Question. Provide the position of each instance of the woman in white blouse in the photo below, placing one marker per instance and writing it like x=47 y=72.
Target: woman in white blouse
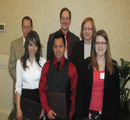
x=28 y=71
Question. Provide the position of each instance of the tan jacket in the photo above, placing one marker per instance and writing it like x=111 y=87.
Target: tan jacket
x=16 y=51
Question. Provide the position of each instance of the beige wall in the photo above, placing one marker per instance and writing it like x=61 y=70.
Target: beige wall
x=111 y=15
x=6 y=89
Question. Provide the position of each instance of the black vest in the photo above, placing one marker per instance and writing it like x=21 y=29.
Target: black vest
x=59 y=81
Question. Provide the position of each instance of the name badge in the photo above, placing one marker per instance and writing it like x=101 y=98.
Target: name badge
x=102 y=75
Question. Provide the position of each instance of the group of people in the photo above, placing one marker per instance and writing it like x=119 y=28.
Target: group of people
x=83 y=70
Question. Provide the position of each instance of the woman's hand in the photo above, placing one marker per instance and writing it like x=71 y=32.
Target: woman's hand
x=19 y=114
x=41 y=115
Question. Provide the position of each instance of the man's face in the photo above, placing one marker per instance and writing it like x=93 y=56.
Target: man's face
x=26 y=27
x=59 y=48
x=65 y=21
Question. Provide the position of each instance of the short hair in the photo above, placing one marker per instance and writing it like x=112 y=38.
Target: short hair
x=34 y=37
x=57 y=36
x=93 y=25
x=65 y=9
x=27 y=18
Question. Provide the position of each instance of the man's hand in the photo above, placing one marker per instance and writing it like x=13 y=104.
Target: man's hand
x=51 y=114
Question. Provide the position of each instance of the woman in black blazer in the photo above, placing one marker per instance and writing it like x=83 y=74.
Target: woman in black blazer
x=88 y=30
x=98 y=93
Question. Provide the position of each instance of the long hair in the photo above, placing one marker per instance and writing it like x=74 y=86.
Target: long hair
x=108 y=60
x=93 y=25
x=34 y=37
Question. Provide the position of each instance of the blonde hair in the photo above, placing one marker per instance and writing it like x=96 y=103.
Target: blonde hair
x=93 y=25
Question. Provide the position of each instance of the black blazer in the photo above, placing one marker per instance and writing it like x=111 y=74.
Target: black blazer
x=72 y=39
x=111 y=95
x=77 y=54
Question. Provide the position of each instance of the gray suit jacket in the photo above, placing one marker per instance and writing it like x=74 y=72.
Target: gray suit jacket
x=72 y=40
x=16 y=52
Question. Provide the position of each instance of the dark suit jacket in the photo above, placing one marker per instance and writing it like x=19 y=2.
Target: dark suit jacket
x=72 y=39
x=77 y=54
x=111 y=95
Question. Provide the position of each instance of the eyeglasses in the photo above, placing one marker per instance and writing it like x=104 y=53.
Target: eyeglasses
x=89 y=29
x=102 y=43
x=65 y=18
x=24 y=27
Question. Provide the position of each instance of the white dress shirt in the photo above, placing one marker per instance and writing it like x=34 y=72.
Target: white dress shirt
x=30 y=77
x=87 y=50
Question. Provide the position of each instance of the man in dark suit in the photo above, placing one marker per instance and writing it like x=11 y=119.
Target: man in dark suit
x=65 y=21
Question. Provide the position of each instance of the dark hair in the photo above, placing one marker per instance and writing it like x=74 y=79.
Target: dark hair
x=65 y=9
x=57 y=36
x=27 y=18
x=108 y=59
x=34 y=37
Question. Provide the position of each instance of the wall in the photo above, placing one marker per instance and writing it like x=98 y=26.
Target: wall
x=6 y=90
x=111 y=15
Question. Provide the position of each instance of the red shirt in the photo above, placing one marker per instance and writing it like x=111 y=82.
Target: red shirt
x=97 y=91
x=67 y=38
x=73 y=77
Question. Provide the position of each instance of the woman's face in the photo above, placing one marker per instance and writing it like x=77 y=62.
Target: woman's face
x=32 y=49
x=100 y=46
x=88 y=31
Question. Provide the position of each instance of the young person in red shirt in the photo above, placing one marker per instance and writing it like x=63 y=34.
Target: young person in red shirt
x=62 y=80
x=98 y=93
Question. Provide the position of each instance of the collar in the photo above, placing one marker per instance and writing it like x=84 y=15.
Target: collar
x=61 y=61
x=67 y=34
x=23 y=40
x=28 y=62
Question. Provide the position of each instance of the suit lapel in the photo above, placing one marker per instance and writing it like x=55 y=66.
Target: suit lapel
x=70 y=43
x=106 y=78
x=82 y=50
x=91 y=77
x=20 y=48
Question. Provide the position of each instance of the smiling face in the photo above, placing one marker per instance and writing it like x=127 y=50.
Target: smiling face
x=65 y=21
x=32 y=49
x=59 y=48
x=88 y=32
x=26 y=27
x=100 y=46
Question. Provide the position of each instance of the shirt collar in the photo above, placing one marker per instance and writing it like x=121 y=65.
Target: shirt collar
x=23 y=40
x=61 y=61
x=67 y=34
x=28 y=62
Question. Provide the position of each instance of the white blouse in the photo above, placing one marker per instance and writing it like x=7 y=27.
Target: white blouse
x=30 y=77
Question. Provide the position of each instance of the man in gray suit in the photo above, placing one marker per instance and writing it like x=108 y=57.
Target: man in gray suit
x=17 y=49
x=65 y=21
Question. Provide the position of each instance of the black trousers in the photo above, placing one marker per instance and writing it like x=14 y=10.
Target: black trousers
x=31 y=95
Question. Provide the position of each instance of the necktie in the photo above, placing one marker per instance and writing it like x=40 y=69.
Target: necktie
x=57 y=66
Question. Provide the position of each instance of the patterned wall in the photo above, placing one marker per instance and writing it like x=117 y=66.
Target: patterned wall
x=111 y=15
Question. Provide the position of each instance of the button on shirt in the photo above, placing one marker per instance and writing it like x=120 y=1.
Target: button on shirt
x=30 y=77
